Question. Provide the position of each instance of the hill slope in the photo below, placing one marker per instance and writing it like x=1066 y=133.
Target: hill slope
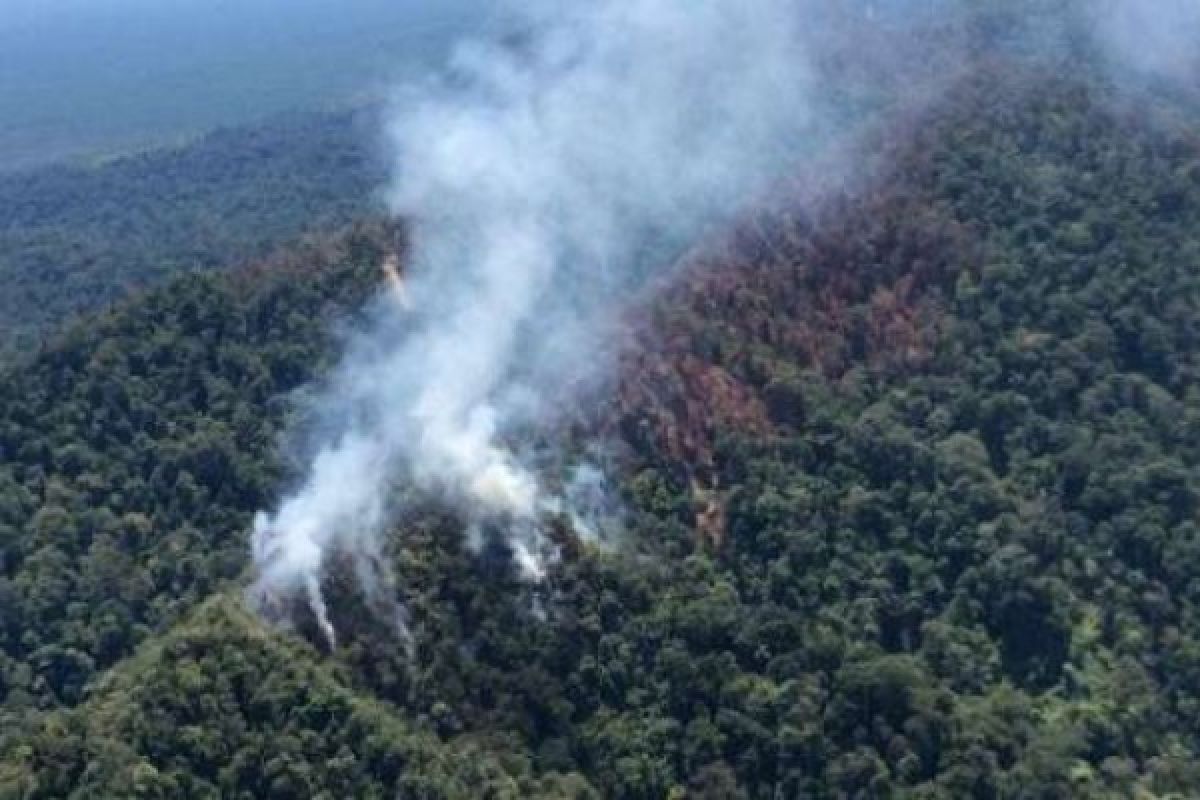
x=222 y=707
x=911 y=483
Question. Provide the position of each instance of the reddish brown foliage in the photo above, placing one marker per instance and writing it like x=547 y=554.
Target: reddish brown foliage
x=363 y=245
x=855 y=286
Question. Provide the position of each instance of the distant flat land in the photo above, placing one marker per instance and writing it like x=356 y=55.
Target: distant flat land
x=81 y=80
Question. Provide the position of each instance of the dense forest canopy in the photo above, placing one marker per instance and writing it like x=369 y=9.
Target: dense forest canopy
x=908 y=480
x=911 y=502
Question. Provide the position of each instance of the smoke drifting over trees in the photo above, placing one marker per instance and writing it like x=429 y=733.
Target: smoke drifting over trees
x=535 y=177
x=546 y=179
x=909 y=475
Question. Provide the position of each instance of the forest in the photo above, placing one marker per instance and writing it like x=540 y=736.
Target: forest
x=910 y=483
x=76 y=238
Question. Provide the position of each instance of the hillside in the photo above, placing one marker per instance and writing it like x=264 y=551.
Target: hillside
x=74 y=239
x=911 y=513
x=137 y=444
x=287 y=729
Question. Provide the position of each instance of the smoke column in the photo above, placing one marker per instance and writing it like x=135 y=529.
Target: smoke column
x=542 y=180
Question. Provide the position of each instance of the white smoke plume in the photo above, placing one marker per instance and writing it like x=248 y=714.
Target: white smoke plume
x=541 y=178
x=544 y=180
x=1154 y=38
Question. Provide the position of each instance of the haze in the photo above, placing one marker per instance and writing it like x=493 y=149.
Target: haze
x=92 y=78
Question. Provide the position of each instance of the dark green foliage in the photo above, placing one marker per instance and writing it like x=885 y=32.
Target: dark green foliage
x=912 y=513
x=220 y=708
x=135 y=448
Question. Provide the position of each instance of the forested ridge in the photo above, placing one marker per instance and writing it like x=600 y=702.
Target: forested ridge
x=75 y=238
x=911 y=490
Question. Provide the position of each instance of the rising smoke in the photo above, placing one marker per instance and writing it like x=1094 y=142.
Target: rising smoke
x=544 y=179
